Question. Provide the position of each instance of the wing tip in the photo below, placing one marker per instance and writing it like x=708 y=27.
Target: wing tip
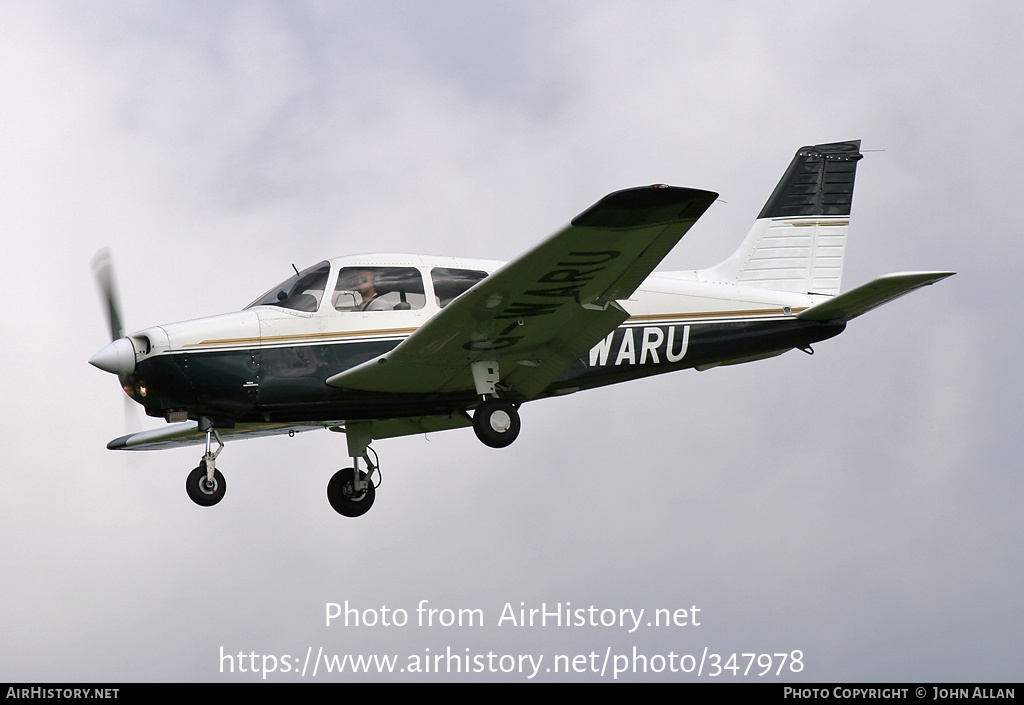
x=646 y=205
x=120 y=443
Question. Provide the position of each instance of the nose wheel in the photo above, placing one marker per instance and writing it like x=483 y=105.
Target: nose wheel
x=496 y=423
x=204 y=491
x=205 y=485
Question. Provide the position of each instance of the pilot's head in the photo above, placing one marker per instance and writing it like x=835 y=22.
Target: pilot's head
x=364 y=280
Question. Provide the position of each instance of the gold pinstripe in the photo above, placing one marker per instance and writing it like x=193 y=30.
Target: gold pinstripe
x=301 y=337
x=645 y=318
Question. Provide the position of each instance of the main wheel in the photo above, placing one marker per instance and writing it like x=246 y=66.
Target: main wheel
x=202 y=492
x=342 y=495
x=496 y=423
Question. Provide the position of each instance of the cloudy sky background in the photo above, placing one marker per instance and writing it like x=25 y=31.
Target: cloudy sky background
x=861 y=505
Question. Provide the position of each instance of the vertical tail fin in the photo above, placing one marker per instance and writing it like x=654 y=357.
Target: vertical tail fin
x=798 y=241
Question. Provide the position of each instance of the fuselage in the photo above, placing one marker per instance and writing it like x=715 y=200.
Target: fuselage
x=270 y=361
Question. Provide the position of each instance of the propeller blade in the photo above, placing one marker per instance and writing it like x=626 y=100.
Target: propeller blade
x=103 y=270
x=132 y=422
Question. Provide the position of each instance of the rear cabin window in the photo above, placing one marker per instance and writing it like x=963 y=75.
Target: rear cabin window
x=450 y=283
x=378 y=289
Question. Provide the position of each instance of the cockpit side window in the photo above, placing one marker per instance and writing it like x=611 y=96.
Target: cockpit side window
x=301 y=292
x=450 y=283
x=378 y=289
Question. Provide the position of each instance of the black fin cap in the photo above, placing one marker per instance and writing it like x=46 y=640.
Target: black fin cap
x=819 y=181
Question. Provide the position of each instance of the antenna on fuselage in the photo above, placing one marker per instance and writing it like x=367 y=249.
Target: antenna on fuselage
x=296 y=269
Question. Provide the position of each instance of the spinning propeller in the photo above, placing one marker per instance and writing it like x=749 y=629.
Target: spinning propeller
x=119 y=356
x=103 y=270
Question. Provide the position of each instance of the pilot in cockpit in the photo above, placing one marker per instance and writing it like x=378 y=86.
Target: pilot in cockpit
x=372 y=300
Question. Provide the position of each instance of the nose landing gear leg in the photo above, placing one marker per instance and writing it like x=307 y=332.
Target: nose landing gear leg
x=205 y=485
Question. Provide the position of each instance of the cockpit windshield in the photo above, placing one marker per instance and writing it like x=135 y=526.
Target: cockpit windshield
x=301 y=292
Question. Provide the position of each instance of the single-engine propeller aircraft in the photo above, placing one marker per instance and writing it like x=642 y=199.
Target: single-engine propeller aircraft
x=377 y=346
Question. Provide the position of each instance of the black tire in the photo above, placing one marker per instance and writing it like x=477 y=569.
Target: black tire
x=496 y=423
x=341 y=493
x=202 y=494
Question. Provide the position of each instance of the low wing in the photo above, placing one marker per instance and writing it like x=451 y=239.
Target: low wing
x=390 y=428
x=187 y=433
x=539 y=313
x=865 y=297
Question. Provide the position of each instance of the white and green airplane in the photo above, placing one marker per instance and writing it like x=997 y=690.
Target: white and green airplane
x=377 y=346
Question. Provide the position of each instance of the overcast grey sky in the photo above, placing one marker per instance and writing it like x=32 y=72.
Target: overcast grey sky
x=861 y=505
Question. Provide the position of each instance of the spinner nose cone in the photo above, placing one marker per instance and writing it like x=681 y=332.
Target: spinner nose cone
x=117 y=358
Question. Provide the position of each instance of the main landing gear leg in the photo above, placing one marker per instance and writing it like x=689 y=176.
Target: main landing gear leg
x=496 y=420
x=351 y=491
x=205 y=485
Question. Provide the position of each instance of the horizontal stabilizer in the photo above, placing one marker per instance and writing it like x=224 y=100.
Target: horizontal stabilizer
x=871 y=295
